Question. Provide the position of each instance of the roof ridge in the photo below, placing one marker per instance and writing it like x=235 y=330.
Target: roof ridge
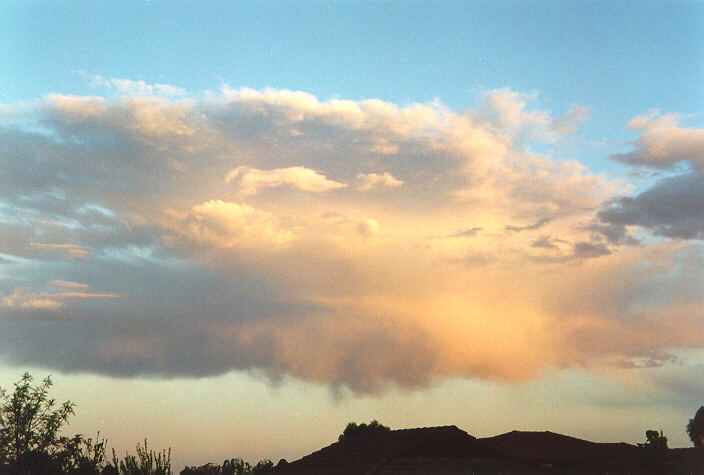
x=426 y=428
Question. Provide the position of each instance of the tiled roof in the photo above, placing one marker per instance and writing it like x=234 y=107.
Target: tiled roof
x=370 y=453
x=551 y=447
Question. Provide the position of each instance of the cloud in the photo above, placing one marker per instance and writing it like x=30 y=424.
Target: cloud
x=507 y=111
x=252 y=181
x=545 y=242
x=72 y=250
x=375 y=180
x=368 y=227
x=274 y=232
x=130 y=87
x=537 y=225
x=24 y=299
x=226 y=225
x=664 y=143
x=589 y=249
x=673 y=207
x=67 y=284
x=467 y=232
x=568 y=123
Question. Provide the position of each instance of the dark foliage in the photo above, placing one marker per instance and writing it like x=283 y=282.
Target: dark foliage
x=695 y=429
x=235 y=466
x=353 y=429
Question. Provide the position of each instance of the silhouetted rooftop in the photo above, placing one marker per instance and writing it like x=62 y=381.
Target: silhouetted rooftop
x=690 y=460
x=551 y=447
x=422 y=450
x=447 y=449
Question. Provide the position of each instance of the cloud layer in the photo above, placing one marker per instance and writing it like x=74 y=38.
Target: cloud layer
x=355 y=244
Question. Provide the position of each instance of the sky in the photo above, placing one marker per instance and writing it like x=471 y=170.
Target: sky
x=233 y=227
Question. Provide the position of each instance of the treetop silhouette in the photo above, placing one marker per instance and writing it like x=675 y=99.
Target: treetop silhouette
x=353 y=429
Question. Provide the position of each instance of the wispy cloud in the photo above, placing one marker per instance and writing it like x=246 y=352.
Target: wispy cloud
x=24 y=299
x=68 y=284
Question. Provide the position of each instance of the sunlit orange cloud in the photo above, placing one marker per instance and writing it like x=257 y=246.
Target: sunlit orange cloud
x=356 y=244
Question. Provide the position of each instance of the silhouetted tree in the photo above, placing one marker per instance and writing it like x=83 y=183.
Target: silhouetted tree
x=353 y=429
x=695 y=428
x=30 y=423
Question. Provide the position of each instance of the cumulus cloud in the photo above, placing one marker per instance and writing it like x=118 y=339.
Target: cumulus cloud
x=348 y=243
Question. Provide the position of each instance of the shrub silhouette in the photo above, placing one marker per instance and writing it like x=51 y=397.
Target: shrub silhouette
x=146 y=462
